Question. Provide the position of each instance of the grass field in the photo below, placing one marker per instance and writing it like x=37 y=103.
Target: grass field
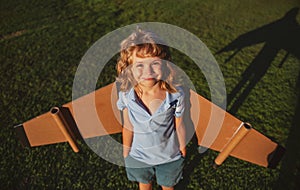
x=42 y=43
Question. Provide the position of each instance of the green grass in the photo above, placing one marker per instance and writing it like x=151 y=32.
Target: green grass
x=42 y=43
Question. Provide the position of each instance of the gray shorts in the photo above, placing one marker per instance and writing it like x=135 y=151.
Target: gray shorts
x=167 y=174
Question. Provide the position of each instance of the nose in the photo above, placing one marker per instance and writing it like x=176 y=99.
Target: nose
x=148 y=70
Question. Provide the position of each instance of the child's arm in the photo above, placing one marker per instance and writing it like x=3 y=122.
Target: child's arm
x=127 y=134
x=180 y=129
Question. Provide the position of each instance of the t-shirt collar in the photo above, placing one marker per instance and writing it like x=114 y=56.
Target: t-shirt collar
x=170 y=97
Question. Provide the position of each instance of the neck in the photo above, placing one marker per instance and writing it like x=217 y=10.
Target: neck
x=149 y=89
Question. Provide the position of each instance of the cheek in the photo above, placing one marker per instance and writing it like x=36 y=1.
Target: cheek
x=158 y=70
x=165 y=72
x=136 y=73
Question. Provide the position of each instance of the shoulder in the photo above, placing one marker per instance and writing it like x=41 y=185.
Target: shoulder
x=180 y=92
x=126 y=94
x=178 y=95
x=123 y=99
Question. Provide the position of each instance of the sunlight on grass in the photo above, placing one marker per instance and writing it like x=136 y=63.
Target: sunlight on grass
x=42 y=43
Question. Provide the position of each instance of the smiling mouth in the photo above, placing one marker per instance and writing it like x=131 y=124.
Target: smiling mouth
x=149 y=78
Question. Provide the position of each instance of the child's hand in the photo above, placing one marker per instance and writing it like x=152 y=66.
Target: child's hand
x=183 y=152
x=126 y=151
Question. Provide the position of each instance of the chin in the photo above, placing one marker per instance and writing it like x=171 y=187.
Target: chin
x=148 y=82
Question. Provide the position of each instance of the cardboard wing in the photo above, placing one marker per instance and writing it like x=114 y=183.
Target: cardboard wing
x=62 y=124
x=97 y=116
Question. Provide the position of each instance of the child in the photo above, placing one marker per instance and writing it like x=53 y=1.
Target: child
x=152 y=105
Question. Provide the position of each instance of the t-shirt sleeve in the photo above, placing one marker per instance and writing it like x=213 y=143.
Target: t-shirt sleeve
x=122 y=102
x=179 y=110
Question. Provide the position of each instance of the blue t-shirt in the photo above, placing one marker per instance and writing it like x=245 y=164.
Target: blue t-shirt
x=155 y=140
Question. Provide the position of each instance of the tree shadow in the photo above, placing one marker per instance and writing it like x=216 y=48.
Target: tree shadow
x=280 y=34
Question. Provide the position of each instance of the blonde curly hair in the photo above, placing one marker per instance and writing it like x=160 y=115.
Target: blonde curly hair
x=144 y=44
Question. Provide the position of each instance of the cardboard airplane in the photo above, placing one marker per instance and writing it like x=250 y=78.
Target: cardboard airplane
x=235 y=138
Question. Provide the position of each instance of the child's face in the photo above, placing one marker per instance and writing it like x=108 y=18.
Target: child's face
x=147 y=71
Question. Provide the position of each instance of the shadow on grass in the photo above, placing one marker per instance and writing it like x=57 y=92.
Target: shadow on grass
x=290 y=169
x=280 y=34
x=192 y=161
